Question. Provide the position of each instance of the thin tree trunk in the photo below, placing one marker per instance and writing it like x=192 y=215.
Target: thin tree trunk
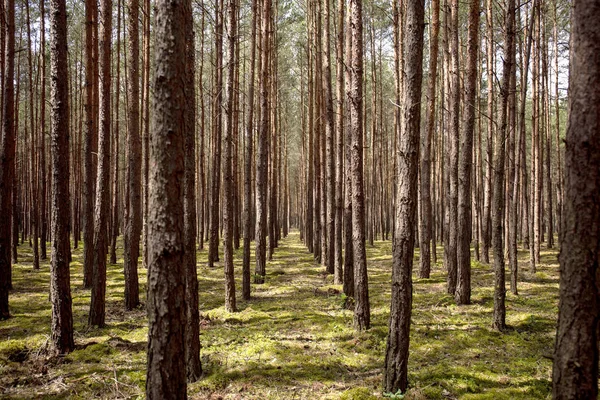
x=7 y=157
x=362 y=309
x=89 y=184
x=425 y=228
x=249 y=133
x=463 y=248
x=97 y=306
x=499 y=317
x=228 y=184
x=60 y=286
x=261 y=164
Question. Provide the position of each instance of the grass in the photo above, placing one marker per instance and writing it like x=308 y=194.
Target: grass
x=294 y=339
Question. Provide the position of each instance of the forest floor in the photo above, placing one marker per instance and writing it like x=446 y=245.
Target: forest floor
x=294 y=339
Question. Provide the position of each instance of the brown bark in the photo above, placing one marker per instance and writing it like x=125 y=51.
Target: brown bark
x=7 y=157
x=499 y=317
x=228 y=184
x=450 y=250
x=60 y=290
x=166 y=366
x=262 y=150
x=192 y=320
x=463 y=248
x=348 y=248
x=575 y=370
x=213 y=246
x=425 y=227
x=329 y=143
x=249 y=136
x=133 y=227
x=362 y=310
x=97 y=306
x=397 y=348
x=89 y=184
x=338 y=265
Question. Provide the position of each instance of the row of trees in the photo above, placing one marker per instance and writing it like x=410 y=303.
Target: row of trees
x=228 y=134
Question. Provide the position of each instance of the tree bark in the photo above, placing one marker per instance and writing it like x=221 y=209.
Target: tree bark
x=262 y=156
x=7 y=158
x=463 y=248
x=499 y=317
x=60 y=286
x=97 y=306
x=90 y=146
x=228 y=187
x=192 y=321
x=133 y=228
x=362 y=310
x=450 y=251
x=425 y=228
x=396 y=358
x=166 y=368
x=575 y=370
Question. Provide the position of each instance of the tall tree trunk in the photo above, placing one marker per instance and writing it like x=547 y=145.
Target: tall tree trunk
x=7 y=157
x=329 y=138
x=42 y=174
x=262 y=156
x=450 y=251
x=89 y=184
x=348 y=240
x=133 y=227
x=249 y=135
x=499 y=317
x=192 y=320
x=339 y=148
x=97 y=306
x=228 y=187
x=487 y=196
x=60 y=286
x=463 y=247
x=396 y=358
x=213 y=246
x=575 y=370
x=425 y=228
x=166 y=366
x=362 y=309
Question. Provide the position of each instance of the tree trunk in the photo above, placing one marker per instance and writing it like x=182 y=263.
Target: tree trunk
x=249 y=134
x=166 y=366
x=192 y=320
x=348 y=248
x=362 y=310
x=450 y=251
x=396 y=358
x=228 y=187
x=97 y=306
x=463 y=247
x=262 y=156
x=60 y=286
x=89 y=184
x=213 y=246
x=7 y=157
x=499 y=317
x=575 y=370
x=133 y=226
x=425 y=229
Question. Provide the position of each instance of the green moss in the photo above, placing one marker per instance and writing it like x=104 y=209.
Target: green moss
x=359 y=393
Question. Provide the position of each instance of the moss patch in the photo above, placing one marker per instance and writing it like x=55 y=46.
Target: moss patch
x=294 y=339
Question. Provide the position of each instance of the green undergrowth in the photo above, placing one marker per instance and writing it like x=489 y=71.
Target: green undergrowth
x=294 y=339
